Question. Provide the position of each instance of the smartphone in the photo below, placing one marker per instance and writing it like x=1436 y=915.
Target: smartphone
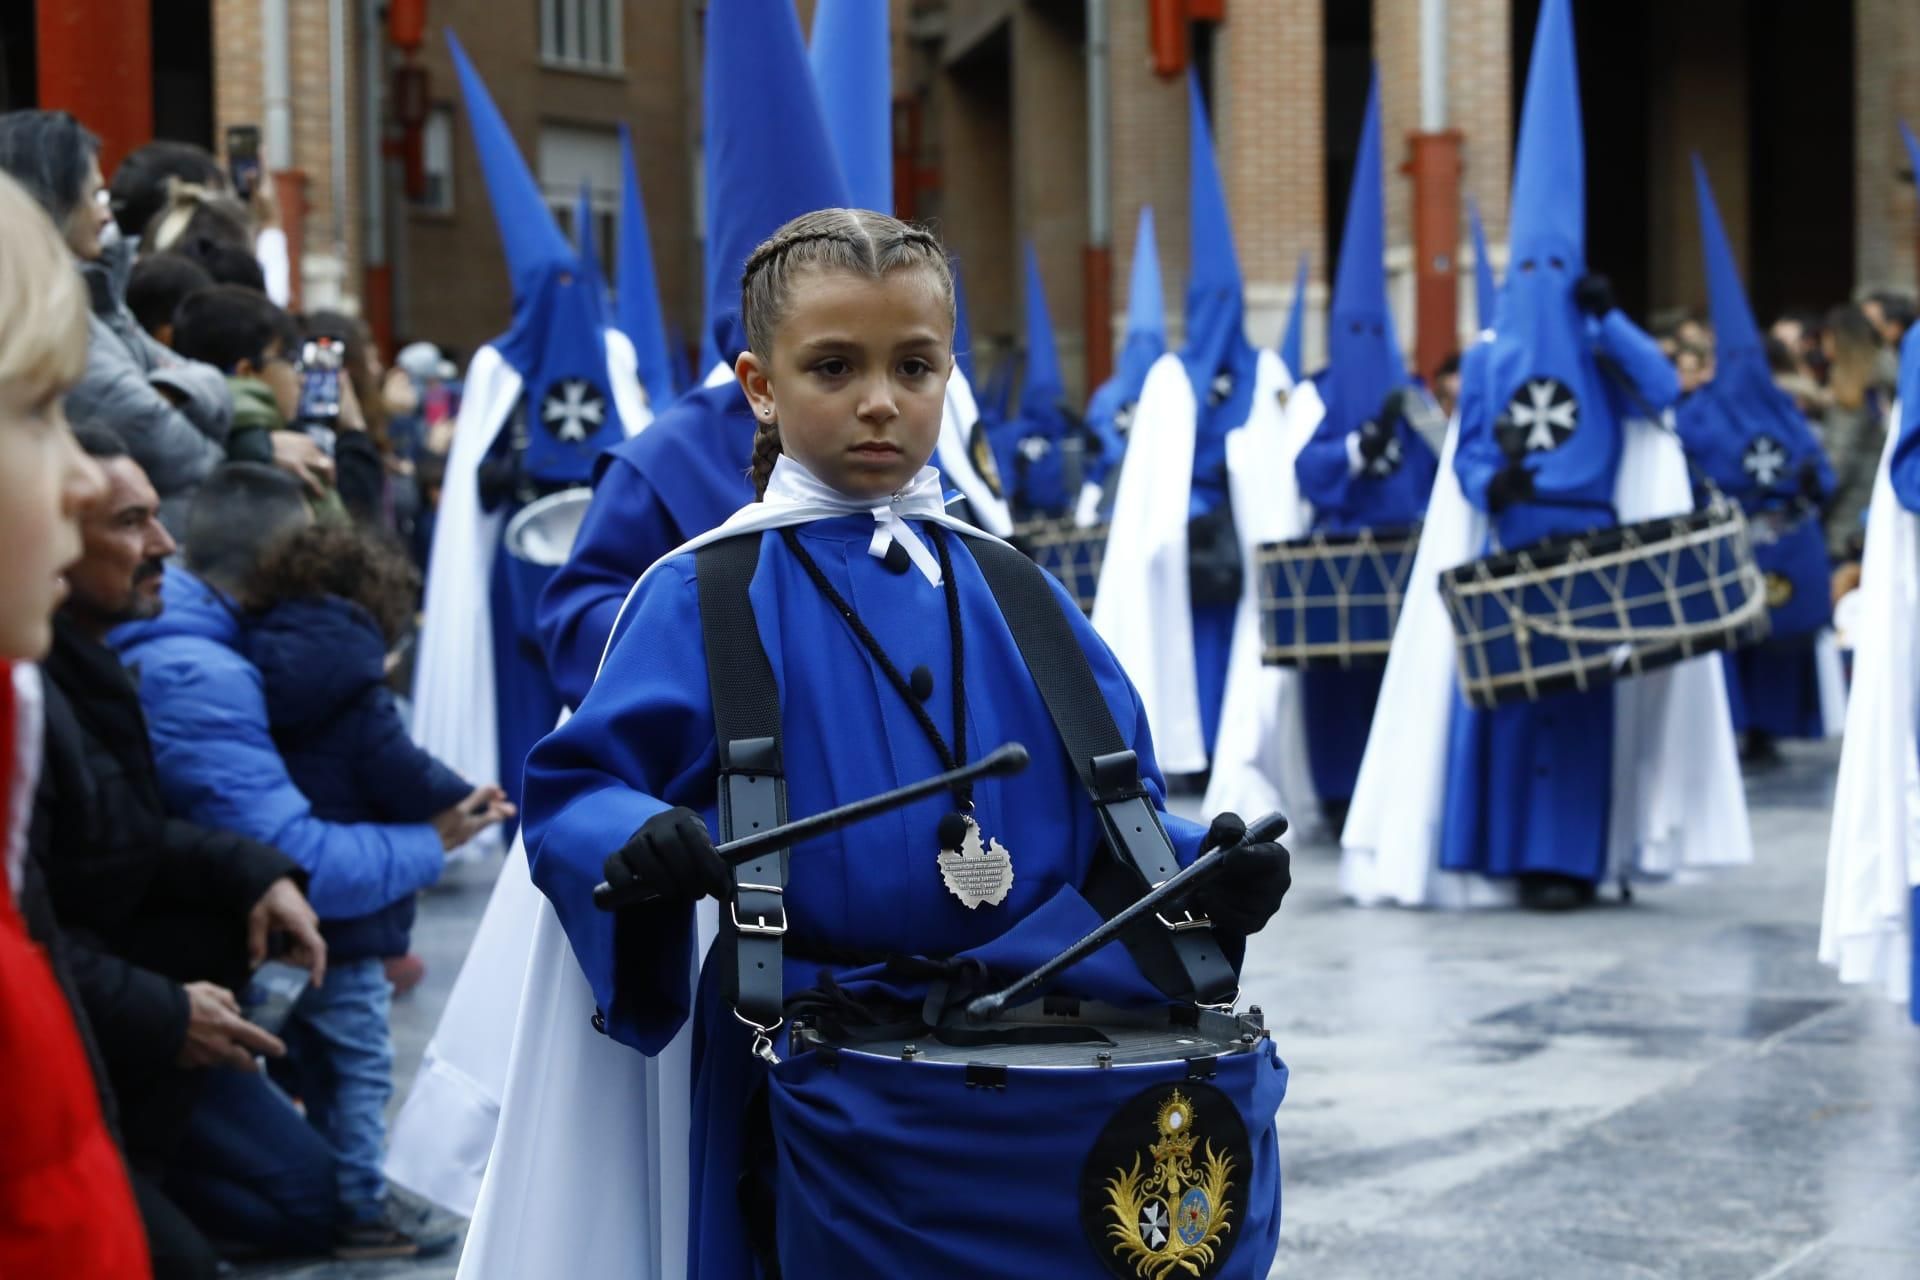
x=275 y=989
x=243 y=159
x=319 y=413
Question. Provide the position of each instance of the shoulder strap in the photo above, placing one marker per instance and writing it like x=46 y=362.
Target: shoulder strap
x=1181 y=956
x=753 y=789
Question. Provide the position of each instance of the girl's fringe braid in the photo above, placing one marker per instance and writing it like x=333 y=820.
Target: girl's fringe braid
x=856 y=240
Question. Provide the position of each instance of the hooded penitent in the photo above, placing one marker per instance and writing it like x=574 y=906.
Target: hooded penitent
x=636 y=303
x=1486 y=293
x=1110 y=410
x=1366 y=467
x=852 y=71
x=1748 y=437
x=540 y=403
x=1040 y=454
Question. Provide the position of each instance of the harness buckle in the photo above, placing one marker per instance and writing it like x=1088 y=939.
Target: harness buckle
x=759 y=928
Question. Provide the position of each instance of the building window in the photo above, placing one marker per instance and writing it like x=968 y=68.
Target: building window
x=581 y=35
x=570 y=156
x=436 y=161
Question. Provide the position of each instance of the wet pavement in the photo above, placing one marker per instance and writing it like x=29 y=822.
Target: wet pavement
x=1669 y=1088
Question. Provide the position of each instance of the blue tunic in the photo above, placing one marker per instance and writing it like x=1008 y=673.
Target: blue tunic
x=1529 y=784
x=1339 y=704
x=643 y=740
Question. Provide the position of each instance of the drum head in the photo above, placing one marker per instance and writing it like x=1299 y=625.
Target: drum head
x=1068 y=1034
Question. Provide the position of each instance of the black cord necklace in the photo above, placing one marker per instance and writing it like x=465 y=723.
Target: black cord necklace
x=975 y=870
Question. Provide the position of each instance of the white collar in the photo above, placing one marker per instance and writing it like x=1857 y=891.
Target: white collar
x=792 y=485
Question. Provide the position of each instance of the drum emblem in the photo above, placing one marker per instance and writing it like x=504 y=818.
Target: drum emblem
x=981 y=451
x=1779 y=590
x=1171 y=1208
x=573 y=410
x=1764 y=461
x=1544 y=414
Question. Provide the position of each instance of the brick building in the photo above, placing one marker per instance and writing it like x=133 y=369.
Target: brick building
x=1792 y=106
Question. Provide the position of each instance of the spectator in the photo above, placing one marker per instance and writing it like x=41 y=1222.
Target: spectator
x=376 y=486
x=226 y=263
x=333 y=601
x=1446 y=385
x=159 y=284
x=173 y=414
x=142 y=186
x=166 y=921
x=243 y=335
x=208 y=714
x=1693 y=364
x=65 y=1205
x=1854 y=427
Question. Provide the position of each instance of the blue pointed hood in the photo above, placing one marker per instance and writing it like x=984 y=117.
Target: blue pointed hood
x=1486 y=294
x=1542 y=345
x=589 y=250
x=556 y=342
x=1110 y=408
x=1042 y=388
x=528 y=234
x=1293 y=339
x=1363 y=351
x=1735 y=335
x=853 y=73
x=1216 y=341
x=637 y=295
x=768 y=158
x=1724 y=421
x=962 y=329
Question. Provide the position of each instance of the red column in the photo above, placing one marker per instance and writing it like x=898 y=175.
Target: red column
x=1435 y=166
x=96 y=61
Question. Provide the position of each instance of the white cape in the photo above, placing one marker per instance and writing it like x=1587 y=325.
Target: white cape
x=453 y=695
x=1260 y=761
x=955 y=456
x=1873 y=856
x=1677 y=798
x=1140 y=607
x=589 y=1169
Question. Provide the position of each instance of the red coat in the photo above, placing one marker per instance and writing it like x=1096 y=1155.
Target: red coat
x=65 y=1207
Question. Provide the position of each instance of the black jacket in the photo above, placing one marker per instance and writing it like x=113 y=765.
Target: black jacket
x=146 y=902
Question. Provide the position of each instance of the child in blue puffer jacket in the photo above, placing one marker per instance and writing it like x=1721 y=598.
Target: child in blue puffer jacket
x=330 y=601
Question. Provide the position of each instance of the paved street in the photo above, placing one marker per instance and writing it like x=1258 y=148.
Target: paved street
x=1673 y=1088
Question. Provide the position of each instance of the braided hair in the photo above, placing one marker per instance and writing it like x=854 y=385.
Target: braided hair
x=855 y=240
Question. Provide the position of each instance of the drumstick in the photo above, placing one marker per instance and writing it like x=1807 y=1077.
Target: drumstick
x=1177 y=886
x=1009 y=758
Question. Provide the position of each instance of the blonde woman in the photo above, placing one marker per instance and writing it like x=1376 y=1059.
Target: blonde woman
x=65 y=1205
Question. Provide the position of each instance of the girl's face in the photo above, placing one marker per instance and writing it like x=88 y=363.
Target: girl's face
x=857 y=378
x=89 y=219
x=45 y=482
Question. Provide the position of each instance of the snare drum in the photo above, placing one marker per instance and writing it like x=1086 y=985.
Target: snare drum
x=1579 y=612
x=1062 y=1140
x=1070 y=552
x=1332 y=599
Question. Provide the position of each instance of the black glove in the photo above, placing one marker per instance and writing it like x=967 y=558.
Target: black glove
x=672 y=858
x=1593 y=294
x=1393 y=408
x=1508 y=486
x=1374 y=438
x=1247 y=890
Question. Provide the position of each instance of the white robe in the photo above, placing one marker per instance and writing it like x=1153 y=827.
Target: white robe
x=1677 y=799
x=1141 y=607
x=957 y=425
x=454 y=712
x=1873 y=856
x=1260 y=761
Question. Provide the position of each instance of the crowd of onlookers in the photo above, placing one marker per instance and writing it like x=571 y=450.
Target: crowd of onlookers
x=217 y=821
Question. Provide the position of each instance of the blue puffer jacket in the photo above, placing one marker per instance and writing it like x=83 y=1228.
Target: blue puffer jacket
x=219 y=766
x=344 y=742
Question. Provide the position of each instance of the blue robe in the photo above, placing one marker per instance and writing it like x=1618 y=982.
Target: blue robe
x=1904 y=473
x=1756 y=458
x=1338 y=705
x=1529 y=784
x=643 y=741
x=1213 y=623
x=683 y=475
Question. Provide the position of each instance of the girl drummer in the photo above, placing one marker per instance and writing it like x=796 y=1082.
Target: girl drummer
x=892 y=663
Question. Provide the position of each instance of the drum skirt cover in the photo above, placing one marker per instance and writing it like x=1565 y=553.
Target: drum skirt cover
x=1798 y=574
x=916 y=1168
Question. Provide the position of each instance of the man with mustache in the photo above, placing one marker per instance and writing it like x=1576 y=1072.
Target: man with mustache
x=165 y=921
